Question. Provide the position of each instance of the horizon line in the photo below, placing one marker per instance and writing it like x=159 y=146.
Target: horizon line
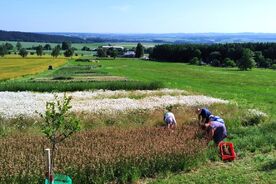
x=136 y=33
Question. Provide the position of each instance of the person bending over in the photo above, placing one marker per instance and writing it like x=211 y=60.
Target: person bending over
x=169 y=119
x=203 y=116
x=216 y=131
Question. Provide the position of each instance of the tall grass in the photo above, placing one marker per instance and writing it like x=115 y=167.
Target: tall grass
x=103 y=155
x=77 y=86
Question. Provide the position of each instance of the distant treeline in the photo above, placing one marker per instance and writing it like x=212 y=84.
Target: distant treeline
x=52 y=38
x=220 y=55
x=36 y=37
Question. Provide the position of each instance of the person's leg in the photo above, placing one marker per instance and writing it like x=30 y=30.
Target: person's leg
x=218 y=135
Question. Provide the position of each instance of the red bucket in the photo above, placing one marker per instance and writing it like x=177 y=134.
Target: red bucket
x=227 y=151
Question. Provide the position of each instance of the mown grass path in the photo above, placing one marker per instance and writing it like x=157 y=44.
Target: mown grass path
x=233 y=172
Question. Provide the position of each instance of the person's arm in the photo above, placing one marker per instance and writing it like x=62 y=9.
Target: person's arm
x=203 y=121
x=210 y=134
x=174 y=120
x=213 y=132
x=199 y=120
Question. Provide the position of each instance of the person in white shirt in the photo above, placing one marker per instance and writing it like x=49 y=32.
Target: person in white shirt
x=169 y=119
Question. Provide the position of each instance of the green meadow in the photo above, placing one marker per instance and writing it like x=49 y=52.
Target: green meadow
x=254 y=89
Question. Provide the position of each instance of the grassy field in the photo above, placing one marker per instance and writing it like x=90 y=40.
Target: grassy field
x=15 y=66
x=236 y=172
x=73 y=76
x=254 y=89
x=250 y=89
x=254 y=145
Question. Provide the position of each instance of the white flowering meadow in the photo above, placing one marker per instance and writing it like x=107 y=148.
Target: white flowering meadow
x=14 y=104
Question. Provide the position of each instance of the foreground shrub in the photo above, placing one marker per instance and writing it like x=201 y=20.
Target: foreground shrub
x=58 y=124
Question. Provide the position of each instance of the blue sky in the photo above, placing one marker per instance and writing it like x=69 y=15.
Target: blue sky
x=138 y=16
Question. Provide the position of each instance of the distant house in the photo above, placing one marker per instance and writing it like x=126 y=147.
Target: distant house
x=113 y=47
x=129 y=54
x=145 y=58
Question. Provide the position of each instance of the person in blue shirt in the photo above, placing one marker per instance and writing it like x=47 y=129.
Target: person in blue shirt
x=216 y=118
x=203 y=116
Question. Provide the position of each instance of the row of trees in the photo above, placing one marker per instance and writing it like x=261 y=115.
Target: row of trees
x=68 y=50
x=4 y=49
x=262 y=55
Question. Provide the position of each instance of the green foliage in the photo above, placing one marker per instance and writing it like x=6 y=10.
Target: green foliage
x=215 y=62
x=3 y=50
x=194 y=61
x=85 y=48
x=139 y=52
x=114 y=53
x=261 y=61
x=101 y=52
x=273 y=66
x=47 y=47
x=229 y=63
x=39 y=50
x=58 y=123
x=9 y=46
x=216 y=55
x=247 y=60
x=55 y=51
x=265 y=53
x=69 y=52
x=254 y=138
x=197 y=53
x=18 y=46
x=23 y=52
x=65 y=45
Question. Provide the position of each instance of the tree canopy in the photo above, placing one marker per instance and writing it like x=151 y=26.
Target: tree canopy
x=3 y=50
x=23 y=52
x=39 y=50
x=55 y=51
x=69 y=52
x=247 y=60
x=139 y=52
x=65 y=45
x=216 y=54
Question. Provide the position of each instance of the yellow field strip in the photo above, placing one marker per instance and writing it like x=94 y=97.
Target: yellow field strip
x=13 y=67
